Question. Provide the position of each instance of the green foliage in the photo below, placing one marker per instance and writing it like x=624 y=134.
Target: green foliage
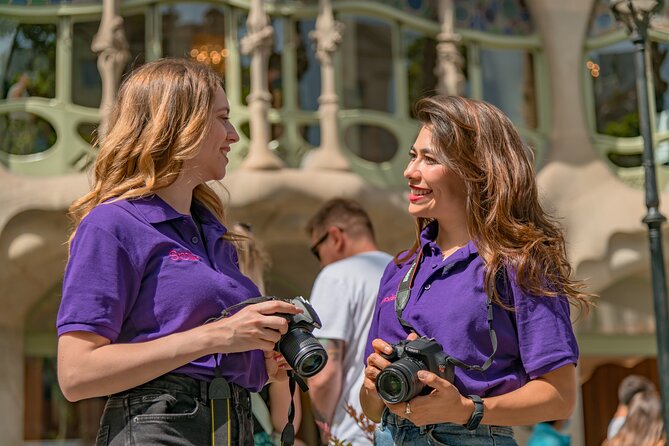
x=626 y=127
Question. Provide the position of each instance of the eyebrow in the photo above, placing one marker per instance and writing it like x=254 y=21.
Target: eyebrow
x=423 y=150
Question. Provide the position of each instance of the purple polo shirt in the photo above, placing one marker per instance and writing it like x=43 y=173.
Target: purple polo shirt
x=448 y=303
x=138 y=270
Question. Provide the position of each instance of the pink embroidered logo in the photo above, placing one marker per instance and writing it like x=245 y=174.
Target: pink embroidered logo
x=389 y=299
x=183 y=255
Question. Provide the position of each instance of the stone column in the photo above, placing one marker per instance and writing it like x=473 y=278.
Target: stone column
x=258 y=43
x=327 y=36
x=449 y=67
x=113 y=53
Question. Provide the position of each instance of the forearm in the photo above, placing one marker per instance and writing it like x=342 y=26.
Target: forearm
x=551 y=397
x=372 y=405
x=89 y=366
x=324 y=392
x=325 y=387
x=279 y=401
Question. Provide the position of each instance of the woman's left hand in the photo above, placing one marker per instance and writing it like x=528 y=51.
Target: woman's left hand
x=276 y=366
x=443 y=404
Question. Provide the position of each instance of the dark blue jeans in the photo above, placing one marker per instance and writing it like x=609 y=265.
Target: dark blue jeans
x=397 y=431
x=171 y=410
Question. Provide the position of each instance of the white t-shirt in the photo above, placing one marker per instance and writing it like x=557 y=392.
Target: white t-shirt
x=344 y=295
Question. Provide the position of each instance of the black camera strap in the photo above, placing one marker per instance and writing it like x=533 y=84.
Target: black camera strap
x=403 y=294
x=219 y=425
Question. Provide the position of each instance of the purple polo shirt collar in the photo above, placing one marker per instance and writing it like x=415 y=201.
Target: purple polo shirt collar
x=427 y=241
x=155 y=210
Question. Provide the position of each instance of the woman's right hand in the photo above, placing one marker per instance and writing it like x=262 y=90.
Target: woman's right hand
x=376 y=363
x=256 y=326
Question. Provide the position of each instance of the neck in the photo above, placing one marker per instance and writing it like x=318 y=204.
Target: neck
x=451 y=238
x=360 y=246
x=178 y=196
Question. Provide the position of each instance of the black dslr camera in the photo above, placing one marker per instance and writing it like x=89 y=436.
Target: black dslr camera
x=399 y=381
x=301 y=349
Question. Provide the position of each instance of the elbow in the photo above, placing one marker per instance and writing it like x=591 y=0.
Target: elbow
x=567 y=405
x=69 y=391
x=71 y=385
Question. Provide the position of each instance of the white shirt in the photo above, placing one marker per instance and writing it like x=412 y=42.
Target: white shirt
x=344 y=295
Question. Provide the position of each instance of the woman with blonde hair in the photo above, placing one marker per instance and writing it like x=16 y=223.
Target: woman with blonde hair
x=151 y=268
x=485 y=288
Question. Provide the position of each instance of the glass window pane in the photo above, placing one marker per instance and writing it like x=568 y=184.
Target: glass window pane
x=426 y=9
x=24 y=133
x=660 y=65
x=275 y=65
x=367 y=61
x=614 y=87
x=244 y=59
x=509 y=17
x=33 y=53
x=195 y=30
x=86 y=81
x=371 y=142
x=308 y=68
x=508 y=82
x=421 y=55
x=602 y=20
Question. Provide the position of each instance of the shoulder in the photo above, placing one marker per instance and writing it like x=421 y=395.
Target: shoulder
x=111 y=213
x=118 y=219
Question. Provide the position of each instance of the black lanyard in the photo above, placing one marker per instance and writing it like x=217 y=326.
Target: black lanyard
x=403 y=294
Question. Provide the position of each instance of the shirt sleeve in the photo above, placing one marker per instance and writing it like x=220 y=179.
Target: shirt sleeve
x=373 y=333
x=545 y=336
x=100 y=284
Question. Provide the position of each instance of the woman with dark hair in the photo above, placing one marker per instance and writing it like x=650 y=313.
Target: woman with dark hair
x=151 y=268
x=487 y=280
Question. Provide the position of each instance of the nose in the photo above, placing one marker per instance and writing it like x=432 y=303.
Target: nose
x=232 y=135
x=410 y=171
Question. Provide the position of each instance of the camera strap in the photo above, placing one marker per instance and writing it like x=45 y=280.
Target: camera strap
x=403 y=294
x=221 y=405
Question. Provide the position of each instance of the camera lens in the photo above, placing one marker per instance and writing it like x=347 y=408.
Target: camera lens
x=311 y=364
x=303 y=352
x=398 y=382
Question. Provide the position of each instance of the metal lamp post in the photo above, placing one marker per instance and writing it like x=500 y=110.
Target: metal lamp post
x=636 y=15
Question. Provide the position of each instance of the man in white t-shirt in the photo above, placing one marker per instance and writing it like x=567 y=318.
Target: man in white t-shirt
x=343 y=295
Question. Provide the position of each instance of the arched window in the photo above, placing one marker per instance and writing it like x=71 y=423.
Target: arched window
x=611 y=96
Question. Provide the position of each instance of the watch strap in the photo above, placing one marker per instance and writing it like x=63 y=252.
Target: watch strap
x=477 y=415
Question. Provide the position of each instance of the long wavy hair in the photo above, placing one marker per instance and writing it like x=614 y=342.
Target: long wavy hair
x=160 y=117
x=505 y=219
x=643 y=425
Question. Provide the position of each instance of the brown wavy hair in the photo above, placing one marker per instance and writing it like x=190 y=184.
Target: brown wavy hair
x=160 y=117
x=505 y=219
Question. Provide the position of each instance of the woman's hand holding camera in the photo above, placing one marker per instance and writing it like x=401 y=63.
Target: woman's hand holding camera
x=443 y=404
x=256 y=326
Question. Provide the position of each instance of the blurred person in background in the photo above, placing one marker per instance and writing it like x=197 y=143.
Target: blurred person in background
x=643 y=424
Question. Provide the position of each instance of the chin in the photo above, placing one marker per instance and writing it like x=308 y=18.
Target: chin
x=418 y=211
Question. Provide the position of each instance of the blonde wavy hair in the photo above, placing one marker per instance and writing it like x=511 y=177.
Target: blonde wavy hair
x=159 y=119
x=505 y=219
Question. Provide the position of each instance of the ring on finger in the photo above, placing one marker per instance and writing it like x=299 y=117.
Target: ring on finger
x=407 y=409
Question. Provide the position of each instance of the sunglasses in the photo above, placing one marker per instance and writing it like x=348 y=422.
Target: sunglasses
x=319 y=242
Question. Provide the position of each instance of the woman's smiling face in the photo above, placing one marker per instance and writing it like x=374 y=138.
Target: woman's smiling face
x=435 y=191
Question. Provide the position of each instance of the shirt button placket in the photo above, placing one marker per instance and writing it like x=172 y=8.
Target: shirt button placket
x=194 y=239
